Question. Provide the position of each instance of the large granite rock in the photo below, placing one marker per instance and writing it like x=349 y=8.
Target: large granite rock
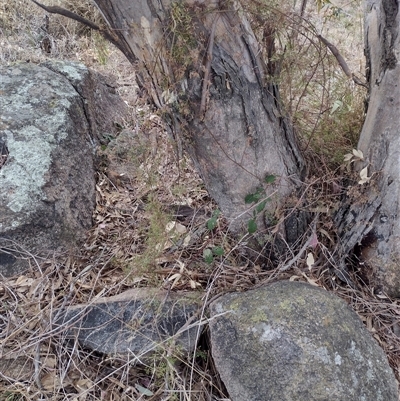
x=134 y=324
x=52 y=116
x=290 y=341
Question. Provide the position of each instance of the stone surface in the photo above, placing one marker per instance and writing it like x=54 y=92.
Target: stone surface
x=291 y=341
x=52 y=116
x=134 y=324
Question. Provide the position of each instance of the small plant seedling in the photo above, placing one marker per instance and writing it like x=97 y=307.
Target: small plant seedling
x=201 y=354
x=209 y=254
x=218 y=251
x=261 y=206
x=256 y=198
x=252 y=226
x=212 y=223
x=269 y=179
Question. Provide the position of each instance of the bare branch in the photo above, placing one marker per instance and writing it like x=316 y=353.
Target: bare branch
x=68 y=14
x=341 y=61
x=109 y=35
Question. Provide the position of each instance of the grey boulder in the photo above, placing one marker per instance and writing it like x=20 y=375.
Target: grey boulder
x=51 y=118
x=290 y=341
x=134 y=324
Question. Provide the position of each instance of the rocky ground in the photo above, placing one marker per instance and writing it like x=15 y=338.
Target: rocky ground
x=154 y=225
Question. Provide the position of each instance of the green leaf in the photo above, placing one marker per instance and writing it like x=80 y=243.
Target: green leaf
x=212 y=223
x=255 y=197
x=269 y=179
x=218 y=251
x=216 y=213
x=252 y=228
x=208 y=256
x=261 y=206
x=250 y=198
x=259 y=194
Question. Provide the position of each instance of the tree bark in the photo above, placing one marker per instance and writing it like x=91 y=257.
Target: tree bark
x=370 y=220
x=206 y=77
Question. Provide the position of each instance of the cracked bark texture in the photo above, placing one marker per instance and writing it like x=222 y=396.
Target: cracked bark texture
x=372 y=220
x=231 y=124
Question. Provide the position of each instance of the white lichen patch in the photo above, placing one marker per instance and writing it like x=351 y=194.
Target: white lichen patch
x=35 y=119
x=24 y=176
x=266 y=332
x=72 y=71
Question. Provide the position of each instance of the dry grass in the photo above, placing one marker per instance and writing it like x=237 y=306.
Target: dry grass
x=133 y=244
x=326 y=107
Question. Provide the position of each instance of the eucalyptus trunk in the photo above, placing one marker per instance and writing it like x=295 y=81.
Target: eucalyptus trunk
x=201 y=62
x=370 y=219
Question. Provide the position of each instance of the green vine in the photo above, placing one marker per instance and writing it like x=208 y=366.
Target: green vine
x=259 y=198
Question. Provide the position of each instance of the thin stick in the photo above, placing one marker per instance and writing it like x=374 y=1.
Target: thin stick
x=68 y=14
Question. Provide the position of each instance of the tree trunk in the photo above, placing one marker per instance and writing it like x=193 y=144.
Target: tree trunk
x=202 y=61
x=371 y=219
